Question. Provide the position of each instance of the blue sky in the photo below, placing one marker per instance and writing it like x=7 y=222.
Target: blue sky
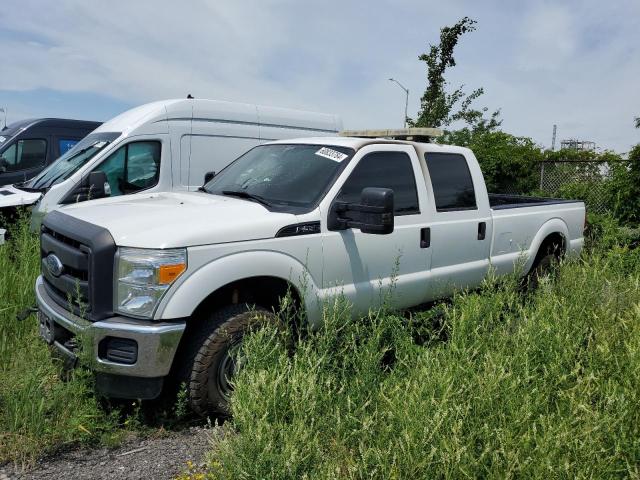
x=575 y=64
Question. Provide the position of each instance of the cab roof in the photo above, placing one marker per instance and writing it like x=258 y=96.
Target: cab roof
x=357 y=143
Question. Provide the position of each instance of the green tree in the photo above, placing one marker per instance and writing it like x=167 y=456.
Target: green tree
x=624 y=187
x=509 y=164
x=637 y=120
x=439 y=108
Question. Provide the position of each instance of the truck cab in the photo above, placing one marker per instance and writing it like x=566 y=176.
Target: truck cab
x=169 y=282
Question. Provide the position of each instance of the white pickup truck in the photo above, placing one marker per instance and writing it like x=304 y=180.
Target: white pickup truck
x=163 y=285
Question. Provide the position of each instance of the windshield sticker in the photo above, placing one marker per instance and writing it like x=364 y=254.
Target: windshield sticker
x=99 y=144
x=334 y=155
x=2 y=139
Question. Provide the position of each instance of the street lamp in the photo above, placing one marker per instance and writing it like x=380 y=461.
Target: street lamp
x=406 y=102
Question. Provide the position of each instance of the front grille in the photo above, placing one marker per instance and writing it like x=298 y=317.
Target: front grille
x=71 y=288
x=79 y=277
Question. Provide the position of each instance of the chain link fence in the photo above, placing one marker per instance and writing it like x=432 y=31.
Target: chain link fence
x=582 y=180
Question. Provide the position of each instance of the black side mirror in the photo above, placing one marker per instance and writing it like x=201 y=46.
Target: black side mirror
x=374 y=213
x=3 y=164
x=92 y=187
x=97 y=185
x=208 y=177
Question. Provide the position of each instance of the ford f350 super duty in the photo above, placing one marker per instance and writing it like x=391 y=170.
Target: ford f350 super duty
x=162 y=286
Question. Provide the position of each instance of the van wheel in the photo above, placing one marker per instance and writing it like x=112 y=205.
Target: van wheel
x=212 y=357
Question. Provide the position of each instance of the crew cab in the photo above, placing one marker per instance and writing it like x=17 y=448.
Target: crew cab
x=163 y=285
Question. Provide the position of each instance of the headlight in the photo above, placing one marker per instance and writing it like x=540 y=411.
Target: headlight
x=143 y=276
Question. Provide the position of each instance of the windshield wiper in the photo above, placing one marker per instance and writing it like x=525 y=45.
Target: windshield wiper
x=247 y=195
x=23 y=186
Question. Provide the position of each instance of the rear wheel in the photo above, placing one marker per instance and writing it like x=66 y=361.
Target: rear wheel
x=544 y=265
x=212 y=357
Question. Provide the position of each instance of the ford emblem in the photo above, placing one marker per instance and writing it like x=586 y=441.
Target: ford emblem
x=54 y=265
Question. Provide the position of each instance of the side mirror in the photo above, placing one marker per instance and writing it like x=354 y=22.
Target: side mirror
x=97 y=185
x=3 y=164
x=208 y=177
x=374 y=213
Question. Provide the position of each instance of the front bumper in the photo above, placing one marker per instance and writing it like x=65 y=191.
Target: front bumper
x=157 y=341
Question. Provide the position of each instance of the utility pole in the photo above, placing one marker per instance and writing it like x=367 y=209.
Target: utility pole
x=553 y=140
x=406 y=101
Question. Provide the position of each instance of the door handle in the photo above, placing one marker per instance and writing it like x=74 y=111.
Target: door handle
x=482 y=230
x=425 y=237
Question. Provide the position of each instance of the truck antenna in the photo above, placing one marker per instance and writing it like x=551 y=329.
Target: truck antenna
x=4 y=110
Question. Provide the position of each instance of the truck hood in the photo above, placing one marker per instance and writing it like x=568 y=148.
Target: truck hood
x=170 y=220
x=11 y=196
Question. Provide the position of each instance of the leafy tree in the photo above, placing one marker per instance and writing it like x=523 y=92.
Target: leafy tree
x=439 y=108
x=624 y=187
x=637 y=120
x=509 y=164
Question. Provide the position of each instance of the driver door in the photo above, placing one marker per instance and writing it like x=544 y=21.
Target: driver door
x=369 y=269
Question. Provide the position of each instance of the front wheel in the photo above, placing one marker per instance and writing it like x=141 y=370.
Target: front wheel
x=212 y=357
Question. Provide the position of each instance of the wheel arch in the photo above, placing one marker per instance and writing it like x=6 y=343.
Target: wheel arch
x=262 y=272
x=553 y=232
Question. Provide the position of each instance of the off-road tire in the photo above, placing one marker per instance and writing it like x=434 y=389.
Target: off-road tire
x=206 y=351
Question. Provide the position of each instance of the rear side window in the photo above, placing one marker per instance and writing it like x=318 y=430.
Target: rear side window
x=451 y=182
x=24 y=155
x=384 y=170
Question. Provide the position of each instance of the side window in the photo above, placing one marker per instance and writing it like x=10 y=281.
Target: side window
x=132 y=168
x=24 y=154
x=64 y=145
x=451 y=182
x=384 y=170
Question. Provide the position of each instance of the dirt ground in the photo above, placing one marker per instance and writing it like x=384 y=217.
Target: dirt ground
x=159 y=458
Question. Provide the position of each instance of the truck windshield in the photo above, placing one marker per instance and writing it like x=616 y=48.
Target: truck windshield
x=286 y=175
x=72 y=161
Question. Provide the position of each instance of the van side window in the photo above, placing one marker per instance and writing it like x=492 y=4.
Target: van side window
x=132 y=168
x=24 y=155
x=64 y=145
x=451 y=182
x=384 y=170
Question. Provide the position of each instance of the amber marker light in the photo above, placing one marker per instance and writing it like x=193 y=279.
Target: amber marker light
x=168 y=273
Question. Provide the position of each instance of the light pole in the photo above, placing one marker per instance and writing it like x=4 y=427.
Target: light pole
x=406 y=102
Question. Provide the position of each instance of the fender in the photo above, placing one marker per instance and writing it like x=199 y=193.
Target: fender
x=183 y=299
x=554 y=225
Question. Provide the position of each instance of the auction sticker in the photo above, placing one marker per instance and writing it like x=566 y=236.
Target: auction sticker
x=331 y=154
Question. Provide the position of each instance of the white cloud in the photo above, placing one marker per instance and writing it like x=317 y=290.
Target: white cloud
x=576 y=64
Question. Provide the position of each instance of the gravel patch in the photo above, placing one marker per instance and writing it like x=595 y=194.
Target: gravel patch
x=162 y=457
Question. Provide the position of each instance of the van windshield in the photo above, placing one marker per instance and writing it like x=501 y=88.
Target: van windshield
x=71 y=162
x=292 y=175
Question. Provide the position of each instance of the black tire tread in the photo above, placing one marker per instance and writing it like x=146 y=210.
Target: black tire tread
x=203 y=345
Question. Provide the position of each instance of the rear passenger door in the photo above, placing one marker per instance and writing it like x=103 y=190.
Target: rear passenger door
x=370 y=268
x=460 y=226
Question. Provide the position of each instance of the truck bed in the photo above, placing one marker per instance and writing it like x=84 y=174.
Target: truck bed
x=499 y=201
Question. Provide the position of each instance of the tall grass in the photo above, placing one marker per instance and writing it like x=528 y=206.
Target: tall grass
x=38 y=411
x=493 y=384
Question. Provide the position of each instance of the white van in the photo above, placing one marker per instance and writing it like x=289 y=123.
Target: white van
x=162 y=146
